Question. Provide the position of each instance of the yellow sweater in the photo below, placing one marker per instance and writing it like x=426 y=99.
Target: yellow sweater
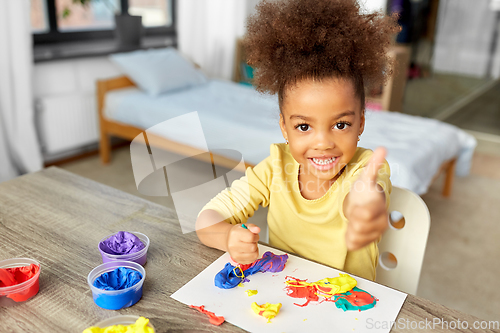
x=313 y=229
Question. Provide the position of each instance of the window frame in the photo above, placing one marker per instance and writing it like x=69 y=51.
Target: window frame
x=55 y=36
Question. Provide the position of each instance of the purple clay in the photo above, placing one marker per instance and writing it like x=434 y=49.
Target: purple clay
x=122 y=243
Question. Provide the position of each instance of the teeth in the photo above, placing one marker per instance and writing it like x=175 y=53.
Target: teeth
x=323 y=162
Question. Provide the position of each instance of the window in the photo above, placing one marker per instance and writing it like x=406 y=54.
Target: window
x=39 y=18
x=55 y=21
x=155 y=13
x=98 y=15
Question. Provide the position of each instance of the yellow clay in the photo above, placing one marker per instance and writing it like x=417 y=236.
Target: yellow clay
x=140 y=326
x=338 y=285
x=251 y=292
x=267 y=310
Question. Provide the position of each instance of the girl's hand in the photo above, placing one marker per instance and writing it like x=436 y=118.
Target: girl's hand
x=364 y=206
x=242 y=243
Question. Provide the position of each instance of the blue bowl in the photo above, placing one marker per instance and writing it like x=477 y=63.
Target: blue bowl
x=116 y=299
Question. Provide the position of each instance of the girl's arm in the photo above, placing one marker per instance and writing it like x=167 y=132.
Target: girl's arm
x=212 y=230
x=241 y=243
x=219 y=223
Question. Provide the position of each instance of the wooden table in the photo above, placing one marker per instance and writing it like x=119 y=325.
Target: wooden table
x=58 y=218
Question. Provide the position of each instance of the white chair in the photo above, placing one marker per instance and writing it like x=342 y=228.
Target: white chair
x=402 y=250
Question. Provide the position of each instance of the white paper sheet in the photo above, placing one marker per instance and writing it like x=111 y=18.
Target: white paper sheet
x=235 y=305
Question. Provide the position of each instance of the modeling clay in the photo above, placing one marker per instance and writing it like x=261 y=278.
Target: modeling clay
x=230 y=276
x=301 y=291
x=118 y=279
x=327 y=286
x=140 y=326
x=17 y=275
x=312 y=290
x=212 y=318
x=122 y=243
x=267 y=310
x=356 y=299
x=251 y=292
x=341 y=290
x=6 y=278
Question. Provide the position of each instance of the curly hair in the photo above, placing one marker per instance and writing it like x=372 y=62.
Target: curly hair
x=291 y=40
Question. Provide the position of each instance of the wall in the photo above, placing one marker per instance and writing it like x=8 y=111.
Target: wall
x=66 y=111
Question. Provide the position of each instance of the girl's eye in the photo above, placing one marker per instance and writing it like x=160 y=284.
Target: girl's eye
x=341 y=125
x=303 y=127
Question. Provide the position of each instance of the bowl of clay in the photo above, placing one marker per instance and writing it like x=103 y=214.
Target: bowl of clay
x=139 y=257
x=116 y=299
x=19 y=292
x=124 y=320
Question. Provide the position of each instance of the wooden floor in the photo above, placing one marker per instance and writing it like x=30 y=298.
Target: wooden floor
x=430 y=96
x=482 y=114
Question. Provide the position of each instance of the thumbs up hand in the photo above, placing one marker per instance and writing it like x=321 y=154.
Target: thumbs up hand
x=364 y=206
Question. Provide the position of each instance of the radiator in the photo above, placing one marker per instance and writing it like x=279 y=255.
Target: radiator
x=67 y=122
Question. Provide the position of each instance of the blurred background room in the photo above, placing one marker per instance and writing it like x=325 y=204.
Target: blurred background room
x=52 y=52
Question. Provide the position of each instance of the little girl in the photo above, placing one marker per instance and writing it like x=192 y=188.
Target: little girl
x=327 y=198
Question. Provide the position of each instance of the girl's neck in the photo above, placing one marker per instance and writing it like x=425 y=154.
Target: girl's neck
x=312 y=187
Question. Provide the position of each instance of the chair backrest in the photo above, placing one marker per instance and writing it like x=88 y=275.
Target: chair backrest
x=402 y=250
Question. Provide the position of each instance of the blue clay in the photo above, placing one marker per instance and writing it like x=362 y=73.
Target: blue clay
x=118 y=301
x=231 y=276
x=119 y=279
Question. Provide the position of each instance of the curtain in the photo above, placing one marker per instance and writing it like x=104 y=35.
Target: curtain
x=495 y=61
x=207 y=33
x=465 y=32
x=19 y=148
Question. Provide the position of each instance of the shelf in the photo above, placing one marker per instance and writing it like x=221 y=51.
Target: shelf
x=94 y=48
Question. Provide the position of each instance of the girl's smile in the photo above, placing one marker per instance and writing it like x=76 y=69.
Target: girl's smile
x=321 y=121
x=324 y=162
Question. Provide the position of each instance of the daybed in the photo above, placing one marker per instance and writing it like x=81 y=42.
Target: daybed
x=236 y=117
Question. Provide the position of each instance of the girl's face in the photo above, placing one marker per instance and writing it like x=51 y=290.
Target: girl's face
x=322 y=122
